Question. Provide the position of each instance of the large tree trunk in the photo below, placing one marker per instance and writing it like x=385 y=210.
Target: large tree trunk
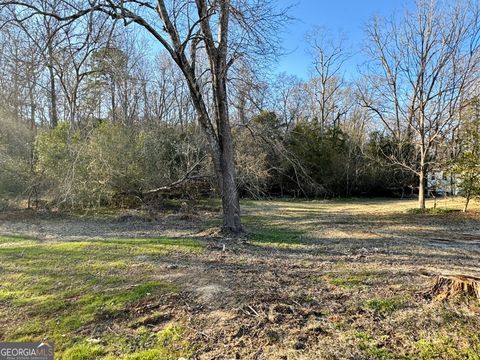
x=222 y=150
x=230 y=197
x=219 y=136
x=223 y=157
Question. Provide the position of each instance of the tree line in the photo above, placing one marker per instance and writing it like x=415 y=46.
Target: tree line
x=97 y=113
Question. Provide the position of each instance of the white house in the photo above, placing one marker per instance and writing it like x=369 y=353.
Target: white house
x=441 y=183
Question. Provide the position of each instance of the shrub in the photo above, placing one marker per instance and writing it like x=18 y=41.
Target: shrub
x=110 y=165
x=16 y=157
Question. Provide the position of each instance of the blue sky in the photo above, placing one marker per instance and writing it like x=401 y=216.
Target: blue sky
x=346 y=16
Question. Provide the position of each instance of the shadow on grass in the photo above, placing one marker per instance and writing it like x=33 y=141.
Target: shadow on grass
x=74 y=291
x=330 y=230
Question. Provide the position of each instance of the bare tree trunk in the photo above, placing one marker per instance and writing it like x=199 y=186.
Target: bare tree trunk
x=421 y=185
x=52 y=90
x=71 y=123
x=218 y=61
x=113 y=100
x=230 y=197
x=423 y=155
x=53 y=99
x=467 y=201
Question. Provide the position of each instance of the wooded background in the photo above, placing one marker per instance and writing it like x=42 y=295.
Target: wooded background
x=96 y=112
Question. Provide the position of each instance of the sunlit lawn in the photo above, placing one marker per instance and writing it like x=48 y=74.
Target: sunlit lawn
x=54 y=290
x=362 y=264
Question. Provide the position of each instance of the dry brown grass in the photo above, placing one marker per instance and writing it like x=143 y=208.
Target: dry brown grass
x=311 y=280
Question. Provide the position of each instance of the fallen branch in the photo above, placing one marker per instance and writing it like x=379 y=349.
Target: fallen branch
x=179 y=181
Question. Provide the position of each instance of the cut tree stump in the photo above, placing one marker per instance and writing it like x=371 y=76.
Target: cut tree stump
x=450 y=286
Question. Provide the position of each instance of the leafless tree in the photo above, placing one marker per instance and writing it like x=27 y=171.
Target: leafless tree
x=326 y=86
x=220 y=31
x=291 y=98
x=421 y=66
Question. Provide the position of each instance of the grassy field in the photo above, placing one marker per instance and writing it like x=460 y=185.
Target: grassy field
x=340 y=279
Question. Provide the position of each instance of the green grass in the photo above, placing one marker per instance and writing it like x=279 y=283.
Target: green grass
x=83 y=352
x=444 y=347
x=385 y=307
x=262 y=233
x=61 y=291
x=168 y=344
x=350 y=280
x=275 y=237
x=370 y=345
x=354 y=264
x=347 y=281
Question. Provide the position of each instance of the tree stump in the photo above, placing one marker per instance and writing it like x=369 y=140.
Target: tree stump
x=450 y=286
